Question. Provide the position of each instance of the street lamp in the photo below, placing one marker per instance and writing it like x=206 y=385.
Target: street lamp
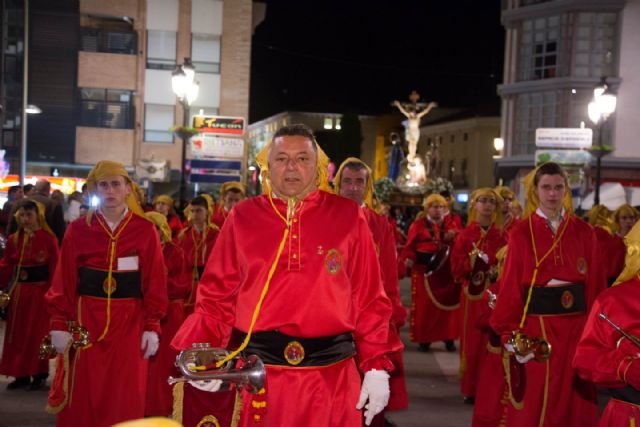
x=599 y=110
x=186 y=89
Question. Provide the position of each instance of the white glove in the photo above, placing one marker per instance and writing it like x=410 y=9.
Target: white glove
x=60 y=340
x=520 y=359
x=484 y=257
x=204 y=385
x=375 y=389
x=150 y=342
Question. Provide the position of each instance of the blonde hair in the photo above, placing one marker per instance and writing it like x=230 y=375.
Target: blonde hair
x=496 y=217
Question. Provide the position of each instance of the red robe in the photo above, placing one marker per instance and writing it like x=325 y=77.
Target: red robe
x=110 y=376
x=383 y=238
x=327 y=282
x=599 y=359
x=162 y=365
x=473 y=341
x=434 y=299
x=174 y=224
x=28 y=321
x=197 y=247
x=553 y=394
x=614 y=247
x=219 y=215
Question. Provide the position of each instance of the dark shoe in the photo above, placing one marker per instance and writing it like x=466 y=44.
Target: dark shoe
x=389 y=423
x=38 y=381
x=469 y=400
x=18 y=383
x=450 y=345
x=424 y=346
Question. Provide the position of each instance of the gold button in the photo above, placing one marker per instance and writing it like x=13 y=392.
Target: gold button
x=295 y=256
x=295 y=236
x=295 y=220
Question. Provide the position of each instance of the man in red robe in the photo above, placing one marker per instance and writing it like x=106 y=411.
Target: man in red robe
x=353 y=181
x=111 y=280
x=474 y=264
x=164 y=205
x=29 y=261
x=607 y=357
x=162 y=365
x=435 y=298
x=197 y=241
x=295 y=276
x=231 y=193
x=550 y=280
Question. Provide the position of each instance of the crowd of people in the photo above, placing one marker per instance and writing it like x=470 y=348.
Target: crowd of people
x=306 y=276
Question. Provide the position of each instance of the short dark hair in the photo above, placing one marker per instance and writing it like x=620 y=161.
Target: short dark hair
x=27 y=205
x=27 y=188
x=199 y=201
x=87 y=207
x=297 y=129
x=446 y=194
x=13 y=189
x=549 y=168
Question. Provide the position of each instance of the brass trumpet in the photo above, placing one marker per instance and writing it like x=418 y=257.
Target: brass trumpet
x=635 y=340
x=198 y=363
x=5 y=298
x=524 y=345
x=80 y=336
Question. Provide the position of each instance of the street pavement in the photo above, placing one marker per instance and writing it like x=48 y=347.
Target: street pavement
x=432 y=383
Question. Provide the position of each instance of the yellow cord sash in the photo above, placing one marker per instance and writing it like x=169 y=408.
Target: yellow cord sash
x=556 y=240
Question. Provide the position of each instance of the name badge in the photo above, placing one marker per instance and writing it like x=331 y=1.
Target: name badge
x=129 y=263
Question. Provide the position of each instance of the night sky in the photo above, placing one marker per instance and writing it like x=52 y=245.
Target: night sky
x=352 y=55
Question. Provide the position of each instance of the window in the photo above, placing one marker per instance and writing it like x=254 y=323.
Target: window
x=535 y=110
x=540 y=48
x=328 y=123
x=161 y=50
x=595 y=41
x=158 y=119
x=108 y=41
x=205 y=53
x=106 y=108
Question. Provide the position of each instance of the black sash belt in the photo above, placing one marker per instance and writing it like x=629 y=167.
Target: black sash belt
x=627 y=394
x=563 y=299
x=123 y=285
x=275 y=348
x=423 y=258
x=33 y=273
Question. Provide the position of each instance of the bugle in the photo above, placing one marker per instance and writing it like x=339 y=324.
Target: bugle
x=624 y=333
x=199 y=364
x=80 y=337
x=523 y=345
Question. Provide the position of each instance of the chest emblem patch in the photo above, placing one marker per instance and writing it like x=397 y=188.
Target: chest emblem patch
x=333 y=261
x=581 y=266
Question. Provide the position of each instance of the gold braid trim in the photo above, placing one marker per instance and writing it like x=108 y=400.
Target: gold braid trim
x=178 y=402
x=435 y=302
x=237 y=409
x=65 y=385
x=507 y=376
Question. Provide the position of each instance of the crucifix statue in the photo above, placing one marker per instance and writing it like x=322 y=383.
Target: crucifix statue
x=414 y=111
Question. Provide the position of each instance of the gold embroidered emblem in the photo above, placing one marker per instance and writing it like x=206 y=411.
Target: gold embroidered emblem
x=567 y=300
x=294 y=353
x=333 y=261
x=208 y=421
x=24 y=275
x=581 y=266
x=478 y=278
x=105 y=286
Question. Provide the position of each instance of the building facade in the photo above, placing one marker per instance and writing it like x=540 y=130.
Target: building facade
x=100 y=70
x=556 y=53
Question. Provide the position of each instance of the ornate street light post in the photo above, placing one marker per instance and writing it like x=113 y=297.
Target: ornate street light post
x=599 y=110
x=186 y=89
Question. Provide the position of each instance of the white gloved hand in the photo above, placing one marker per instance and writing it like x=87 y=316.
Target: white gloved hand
x=207 y=385
x=60 y=340
x=150 y=342
x=509 y=347
x=524 y=359
x=375 y=389
x=484 y=257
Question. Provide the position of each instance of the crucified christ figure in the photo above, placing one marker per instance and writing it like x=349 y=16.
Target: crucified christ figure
x=414 y=111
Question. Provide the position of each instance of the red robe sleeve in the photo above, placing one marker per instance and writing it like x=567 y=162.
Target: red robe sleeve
x=8 y=263
x=462 y=245
x=388 y=265
x=155 y=298
x=62 y=293
x=597 y=357
x=178 y=273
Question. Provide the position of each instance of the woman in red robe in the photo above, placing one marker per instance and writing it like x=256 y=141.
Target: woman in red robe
x=30 y=258
x=162 y=365
x=550 y=280
x=474 y=264
x=604 y=355
x=164 y=205
x=435 y=298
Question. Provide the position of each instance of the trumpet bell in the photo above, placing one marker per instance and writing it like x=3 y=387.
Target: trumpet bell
x=47 y=350
x=524 y=345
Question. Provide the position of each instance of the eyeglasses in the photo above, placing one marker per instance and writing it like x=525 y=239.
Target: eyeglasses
x=486 y=200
